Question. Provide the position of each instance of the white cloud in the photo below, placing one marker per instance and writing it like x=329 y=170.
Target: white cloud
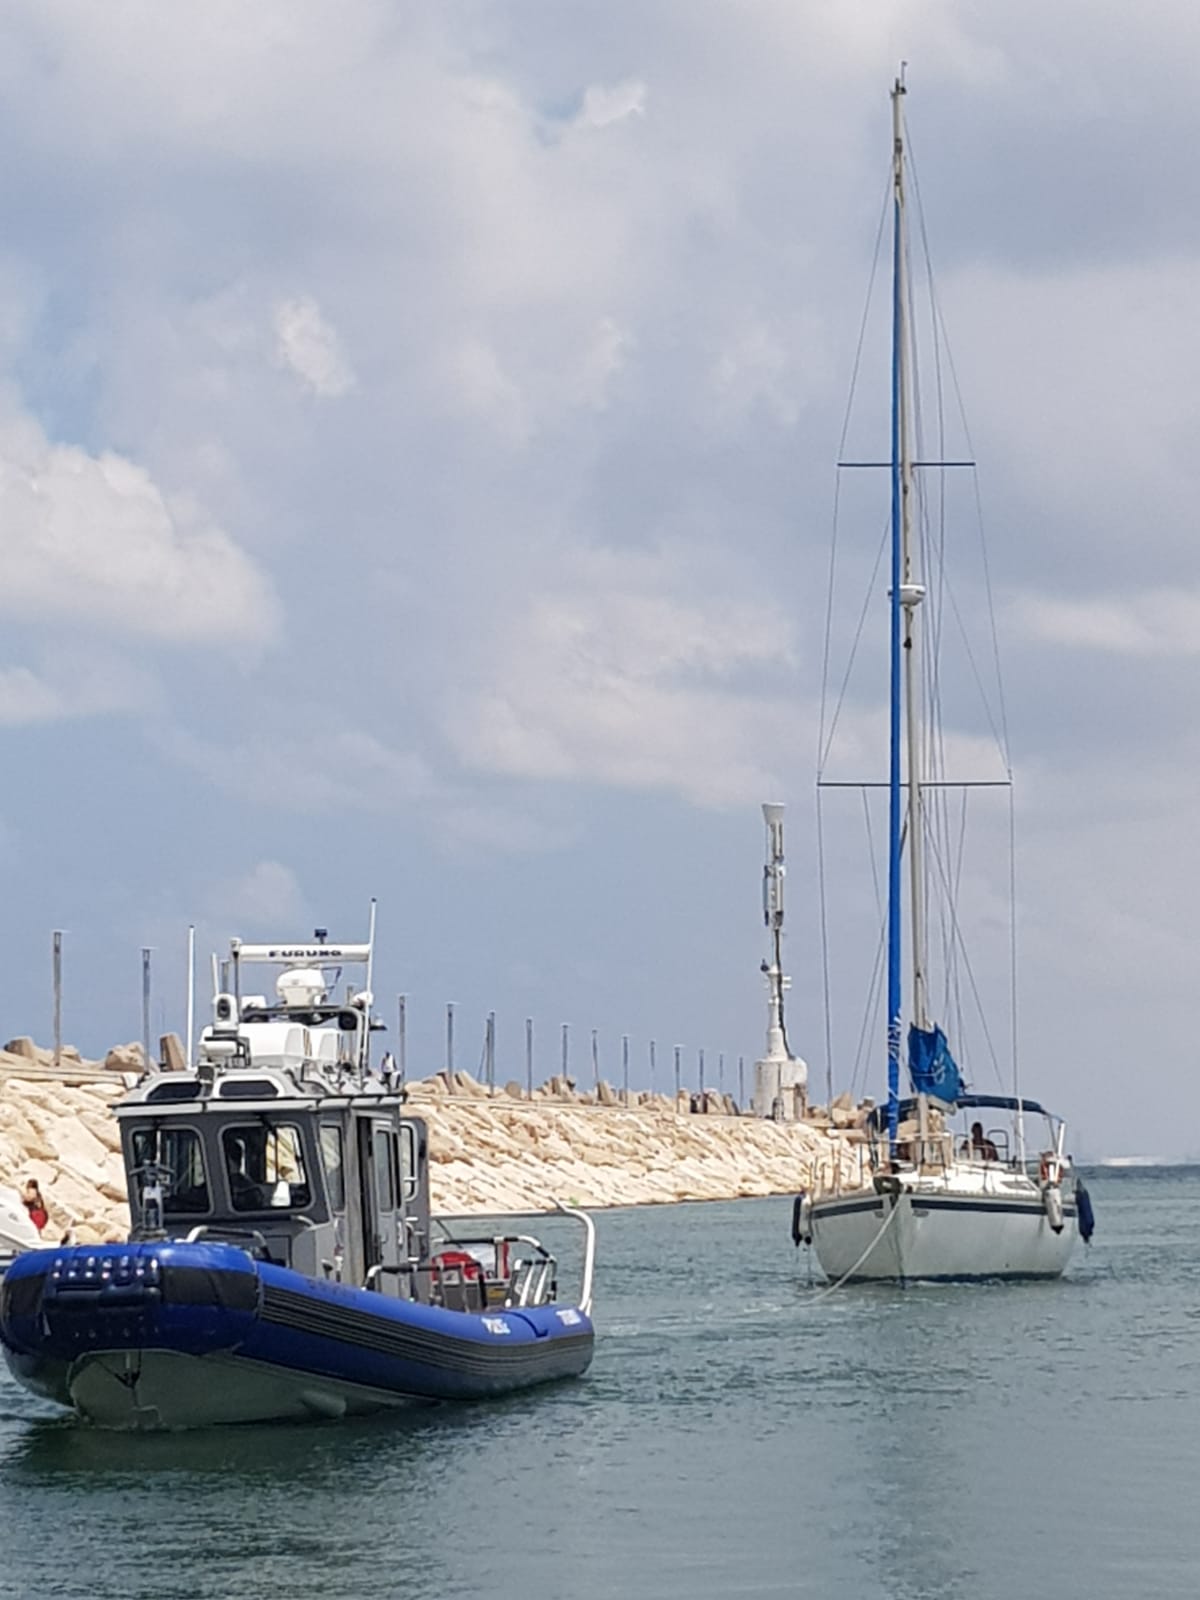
x=478 y=385
x=93 y=538
x=603 y=105
x=1082 y=384
x=350 y=770
x=754 y=365
x=605 y=356
x=26 y=698
x=74 y=683
x=310 y=347
x=615 y=677
x=1161 y=622
x=266 y=896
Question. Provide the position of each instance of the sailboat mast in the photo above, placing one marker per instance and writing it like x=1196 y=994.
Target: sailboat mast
x=899 y=411
x=912 y=591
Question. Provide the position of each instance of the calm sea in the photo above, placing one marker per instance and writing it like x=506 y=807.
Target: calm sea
x=735 y=1437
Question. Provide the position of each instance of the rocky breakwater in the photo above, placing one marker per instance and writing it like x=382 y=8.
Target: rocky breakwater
x=56 y=1125
x=506 y=1151
x=488 y=1152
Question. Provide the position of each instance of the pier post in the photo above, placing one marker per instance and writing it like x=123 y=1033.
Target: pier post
x=190 y=1023
x=58 y=948
x=402 y=1037
x=146 y=1007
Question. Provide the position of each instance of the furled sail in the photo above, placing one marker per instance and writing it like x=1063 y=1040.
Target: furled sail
x=931 y=1067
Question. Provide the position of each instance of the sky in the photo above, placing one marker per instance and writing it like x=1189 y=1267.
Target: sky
x=418 y=429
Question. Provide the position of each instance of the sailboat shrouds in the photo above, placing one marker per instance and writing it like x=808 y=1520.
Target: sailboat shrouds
x=933 y=1203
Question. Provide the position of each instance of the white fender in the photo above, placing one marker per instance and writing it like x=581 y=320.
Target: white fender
x=1052 y=1201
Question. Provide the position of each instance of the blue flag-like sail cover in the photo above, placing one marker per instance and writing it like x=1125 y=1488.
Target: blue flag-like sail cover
x=931 y=1067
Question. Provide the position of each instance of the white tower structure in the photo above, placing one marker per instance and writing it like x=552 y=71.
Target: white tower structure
x=780 y=1078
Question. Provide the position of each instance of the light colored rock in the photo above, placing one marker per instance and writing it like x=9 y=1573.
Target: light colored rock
x=22 y=1046
x=125 y=1058
x=171 y=1053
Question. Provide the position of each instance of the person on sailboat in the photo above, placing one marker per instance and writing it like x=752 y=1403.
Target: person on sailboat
x=981 y=1145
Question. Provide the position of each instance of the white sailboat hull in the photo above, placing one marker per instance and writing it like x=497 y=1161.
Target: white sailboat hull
x=942 y=1234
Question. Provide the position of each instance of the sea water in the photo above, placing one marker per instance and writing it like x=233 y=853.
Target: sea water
x=738 y=1435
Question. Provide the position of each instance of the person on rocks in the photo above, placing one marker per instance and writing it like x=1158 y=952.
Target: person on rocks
x=35 y=1205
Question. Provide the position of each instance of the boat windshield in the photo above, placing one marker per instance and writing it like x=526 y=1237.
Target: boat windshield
x=179 y=1156
x=264 y=1164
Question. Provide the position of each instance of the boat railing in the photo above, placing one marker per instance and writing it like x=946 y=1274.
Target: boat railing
x=934 y=1154
x=548 y=1280
x=218 y=1232
x=392 y=1269
x=531 y=1277
x=589 y=1253
x=488 y=1263
x=259 y=1245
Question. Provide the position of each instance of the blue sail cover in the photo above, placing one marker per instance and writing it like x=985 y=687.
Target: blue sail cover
x=931 y=1067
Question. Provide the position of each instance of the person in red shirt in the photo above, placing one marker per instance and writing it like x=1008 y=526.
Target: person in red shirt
x=35 y=1205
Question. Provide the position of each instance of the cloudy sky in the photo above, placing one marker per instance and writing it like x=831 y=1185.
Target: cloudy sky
x=417 y=441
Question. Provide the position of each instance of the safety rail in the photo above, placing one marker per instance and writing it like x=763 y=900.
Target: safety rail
x=545 y=1281
x=933 y=1155
x=396 y=1269
x=589 y=1253
x=509 y=1281
x=215 y=1230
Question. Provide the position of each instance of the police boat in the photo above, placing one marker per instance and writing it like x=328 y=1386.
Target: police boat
x=283 y=1262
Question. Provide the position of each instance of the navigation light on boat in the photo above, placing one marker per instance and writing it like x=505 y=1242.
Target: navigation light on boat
x=225 y=1009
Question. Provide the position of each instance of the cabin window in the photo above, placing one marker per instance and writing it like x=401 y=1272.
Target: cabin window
x=179 y=1152
x=265 y=1167
x=408 y=1161
x=384 y=1153
x=331 y=1160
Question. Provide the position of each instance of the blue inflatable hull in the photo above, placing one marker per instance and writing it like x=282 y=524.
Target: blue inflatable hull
x=184 y=1335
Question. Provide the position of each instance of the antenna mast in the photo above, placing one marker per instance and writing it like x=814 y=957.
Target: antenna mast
x=774 y=872
x=780 y=1079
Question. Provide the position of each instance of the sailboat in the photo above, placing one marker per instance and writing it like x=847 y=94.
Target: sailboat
x=933 y=1203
